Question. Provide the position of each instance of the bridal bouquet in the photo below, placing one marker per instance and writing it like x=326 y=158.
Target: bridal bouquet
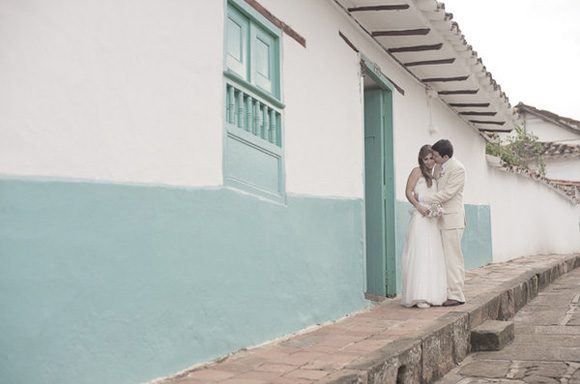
x=435 y=210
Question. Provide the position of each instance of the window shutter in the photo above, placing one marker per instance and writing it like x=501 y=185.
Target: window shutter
x=264 y=60
x=236 y=43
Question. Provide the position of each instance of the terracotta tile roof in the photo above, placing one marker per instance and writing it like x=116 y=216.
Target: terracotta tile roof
x=564 y=122
x=570 y=188
x=559 y=150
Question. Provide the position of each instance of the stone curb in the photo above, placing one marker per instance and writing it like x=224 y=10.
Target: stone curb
x=429 y=356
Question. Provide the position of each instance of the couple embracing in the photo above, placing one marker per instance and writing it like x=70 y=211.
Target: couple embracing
x=432 y=261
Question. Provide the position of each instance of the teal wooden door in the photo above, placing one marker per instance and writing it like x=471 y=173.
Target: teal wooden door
x=379 y=193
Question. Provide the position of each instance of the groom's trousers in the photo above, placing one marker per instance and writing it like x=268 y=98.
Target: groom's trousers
x=454 y=262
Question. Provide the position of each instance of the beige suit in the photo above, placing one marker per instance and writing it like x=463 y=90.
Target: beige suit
x=450 y=194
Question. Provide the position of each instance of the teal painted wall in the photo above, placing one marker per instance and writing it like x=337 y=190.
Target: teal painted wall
x=118 y=284
x=476 y=241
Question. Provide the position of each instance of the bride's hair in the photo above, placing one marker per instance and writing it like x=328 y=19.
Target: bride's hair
x=424 y=151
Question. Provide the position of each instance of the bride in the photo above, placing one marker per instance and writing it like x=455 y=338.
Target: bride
x=423 y=262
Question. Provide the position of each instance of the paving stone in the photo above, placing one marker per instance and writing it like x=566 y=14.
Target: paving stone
x=547 y=330
x=307 y=374
x=575 y=319
x=492 y=335
x=540 y=380
x=545 y=369
x=537 y=353
x=548 y=341
x=575 y=379
x=345 y=376
x=486 y=368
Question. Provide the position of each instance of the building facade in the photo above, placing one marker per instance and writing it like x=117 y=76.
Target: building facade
x=184 y=179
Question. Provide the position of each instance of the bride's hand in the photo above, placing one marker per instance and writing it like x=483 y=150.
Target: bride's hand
x=423 y=210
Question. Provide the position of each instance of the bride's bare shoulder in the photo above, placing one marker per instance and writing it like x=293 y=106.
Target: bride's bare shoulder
x=416 y=171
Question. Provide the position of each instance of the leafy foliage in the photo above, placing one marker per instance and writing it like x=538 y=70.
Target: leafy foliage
x=520 y=150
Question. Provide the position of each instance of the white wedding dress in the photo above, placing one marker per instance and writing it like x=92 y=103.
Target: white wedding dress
x=423 y=262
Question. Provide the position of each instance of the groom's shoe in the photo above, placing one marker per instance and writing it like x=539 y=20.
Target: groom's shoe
x=452 y=303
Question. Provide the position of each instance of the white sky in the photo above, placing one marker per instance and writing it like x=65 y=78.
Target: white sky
x=531 y=47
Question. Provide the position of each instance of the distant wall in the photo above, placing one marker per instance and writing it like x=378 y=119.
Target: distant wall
x=528 y=218
x=563 y=169
x=547 y=131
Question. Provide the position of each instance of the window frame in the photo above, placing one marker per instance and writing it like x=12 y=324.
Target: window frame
x=236 y=137
x=258 y=26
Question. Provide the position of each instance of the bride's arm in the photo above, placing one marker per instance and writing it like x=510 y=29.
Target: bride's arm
x=409 y=191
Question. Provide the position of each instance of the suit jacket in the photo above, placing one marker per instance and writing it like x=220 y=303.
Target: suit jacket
x=450 y=195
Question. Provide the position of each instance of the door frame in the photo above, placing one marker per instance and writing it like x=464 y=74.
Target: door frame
x=389 y=282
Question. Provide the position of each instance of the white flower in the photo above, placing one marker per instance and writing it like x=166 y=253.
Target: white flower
x=435 y=210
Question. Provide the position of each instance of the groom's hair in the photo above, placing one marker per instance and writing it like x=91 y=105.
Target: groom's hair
x=443 y=147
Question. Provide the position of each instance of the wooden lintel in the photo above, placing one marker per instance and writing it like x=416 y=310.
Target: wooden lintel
x=394 y=7
x=277 y=22
x=469 y=104
x=459 y=92
x=397 y=87
x=477 y=113
x=487 y=122
x=403 y=32
x=430 y=62
x=417 y=48
x=348 y=42
x=443 y=79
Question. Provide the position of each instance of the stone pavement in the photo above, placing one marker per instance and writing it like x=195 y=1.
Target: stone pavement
x=546 y=348
x=389 y=343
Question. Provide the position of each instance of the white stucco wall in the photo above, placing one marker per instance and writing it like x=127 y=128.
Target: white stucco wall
x=547 y=131
x=132 y=92
x=563 y=169
x=323 y=114
x=528 y=218
x=118 y=91
x=121 y=93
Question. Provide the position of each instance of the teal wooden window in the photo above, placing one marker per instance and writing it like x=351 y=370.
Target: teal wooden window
x=245 y=110
x=253 y=105
x=252 y=49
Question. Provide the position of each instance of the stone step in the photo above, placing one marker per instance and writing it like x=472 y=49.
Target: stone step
x=492 y=335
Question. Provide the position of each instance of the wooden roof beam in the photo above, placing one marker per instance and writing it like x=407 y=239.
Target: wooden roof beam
x=417 y=48
x=477 y=113
x=394 y=7
x=494 y=130
x=444 y=79
x=403 y=32
x=451 y=60
x=485 y=105
x=487 y=122
x=459 y=92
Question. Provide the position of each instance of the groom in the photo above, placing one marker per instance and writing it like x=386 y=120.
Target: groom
x=452 y=223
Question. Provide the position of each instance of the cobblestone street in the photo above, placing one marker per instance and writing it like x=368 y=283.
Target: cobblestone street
x=546 y=348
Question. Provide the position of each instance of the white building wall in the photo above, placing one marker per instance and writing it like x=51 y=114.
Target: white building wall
x=547 y=131
x=132 y=92
x=528 y=218
x=116 y=91
x=323 y=114
x=563 y=169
